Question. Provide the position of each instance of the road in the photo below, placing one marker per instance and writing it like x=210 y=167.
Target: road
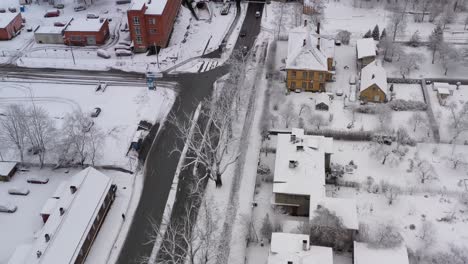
x=161 y=165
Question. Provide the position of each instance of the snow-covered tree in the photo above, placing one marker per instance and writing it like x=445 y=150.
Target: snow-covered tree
x=457 y=159
x=267 y=228
x=427 y=234
x=40 y=131
x=418 y=120
x=384 y=34
x=436 y=41
x=392 y=193
x=315 y=10
x=13 y=127
x=376 y=33
x=425 y=171
x=409 y=62
x=448 y=17
x=425 y=6
x=384 y=115
x=415 y=39
x=368 y=34
x=459 y=118
x=288 y=114
x=397 y=23
x=448 y=56
x=317 y=120
x=344 y=36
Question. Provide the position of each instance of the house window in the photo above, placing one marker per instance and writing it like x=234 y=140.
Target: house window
x=293 y=85
x=293 y=74
x=75 y=38
x=311 y=85
x=311 y=75
x=139 y=40
x=320 y=76
x=152 y=31
x=152 y=21
x=304 y=85
x=137 y=31
x=136 y=20
x=304 y=75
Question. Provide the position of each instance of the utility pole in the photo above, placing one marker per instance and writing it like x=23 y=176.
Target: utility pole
x=73 y=56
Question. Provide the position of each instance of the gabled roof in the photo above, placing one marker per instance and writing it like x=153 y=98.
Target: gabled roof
x=322 y=98
x=308 y=57
x=289 y=247
x=6 y=167
x=363 y=254
x=366 y=48
x=373 y=74
x=6 y=18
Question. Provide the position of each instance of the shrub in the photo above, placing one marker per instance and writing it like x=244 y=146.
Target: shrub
x=407 y=105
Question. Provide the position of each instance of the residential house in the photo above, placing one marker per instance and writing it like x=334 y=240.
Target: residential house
x=87 y=32
x=151 y=23
x=72 y=226
x=310 y=62
x=444 y=91
x=7 y=170
x=366 y=51
x=308 y=7
x=322 y=102
x=287 y=248
x=10 y=25
x=364 y=254
x=373 y=85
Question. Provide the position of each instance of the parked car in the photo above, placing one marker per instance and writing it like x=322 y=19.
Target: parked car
x=37 y=180
x=96 y=112
x=258 y=14
x=79 y=8
x=225 y=9
x=52 y=13
x=2 y=10
x=103 y=53
x=125 y=43
x=18 y=191
x=12 y=9
x=121 y=2
x=122 y=47
x=339 y=92
x=59 y=6
x=87 y=127
x=352 y=79
x=242 y=33
x=8 y=208
x=337 y=42
x=123 y=53
x=92 y=16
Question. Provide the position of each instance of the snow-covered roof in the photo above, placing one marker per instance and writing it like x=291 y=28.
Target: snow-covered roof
x=86 y=25
x=6 y=167
x=49 y=30
x=60 y=190
x=443 y=90
x=289 y=247
x=373 y=74
x=308 y=176
x=345 y=209
x=49 y=206
x=20 y=254
x=366 y=48
x=322 y=98
x=363 y=254
x=153 y=7
x=438 y=85
x=308 y=57
x=6 y=18
x=68 y=231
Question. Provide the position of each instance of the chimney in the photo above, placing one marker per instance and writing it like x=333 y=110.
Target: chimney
x=305 y=22
x=318 y=42
x=293 y=138
x=318 y=28
x=292 y=164
x=61 y=210
x=305 y=245
x=299 y=148
x=47 y=237
x=373 y=76
x=304 y=43
x=72 y=189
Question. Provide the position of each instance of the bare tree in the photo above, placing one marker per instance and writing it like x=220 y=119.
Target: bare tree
x=397 y=23
x=436 y=8
x=327 y=229
x=418 y=120
x=384 y=115
x=427 y=234
x=267 y=228
x=40 y=131
x=425 y=171
x=425 y=6
x=415 y=39
x=317 y=120
x=436 y=40
x=459 y=119
x=386 y=236
x=392 y=193
x=466 y=23
x=410 y=62
x=314 y=10
x=457 y=159
x=448 y=17
x=449 y=56
x=288 y=114
x=344 y=36
x=13 y=127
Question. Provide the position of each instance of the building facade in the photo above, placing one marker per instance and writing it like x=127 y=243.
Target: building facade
x=10 y=24
x=151 y=23
x=89 y=32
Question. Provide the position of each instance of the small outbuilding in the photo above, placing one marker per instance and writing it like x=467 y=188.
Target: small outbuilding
x=49 y=35
x=10 y=25
x=7 y=170
x=366 y=51
x=322 y=102
x=87 y=32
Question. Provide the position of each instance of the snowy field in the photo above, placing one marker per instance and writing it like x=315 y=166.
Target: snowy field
x=122 y=110
x=20 y=227
x=189 y=39
x=408 y=92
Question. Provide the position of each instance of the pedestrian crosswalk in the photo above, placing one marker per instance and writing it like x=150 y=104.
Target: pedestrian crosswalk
x=207 y=65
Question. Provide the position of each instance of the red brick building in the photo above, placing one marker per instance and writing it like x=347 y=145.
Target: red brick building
x=10 y=23
x=151 y=23
x=87 y=32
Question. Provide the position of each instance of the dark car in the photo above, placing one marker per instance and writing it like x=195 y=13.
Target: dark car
x=242 y=33
x=96 y=112
x=52 y=13
x=59 y=24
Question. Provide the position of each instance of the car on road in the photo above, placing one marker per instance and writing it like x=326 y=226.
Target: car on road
x=37 y=180
x=2 y=10
x=79 y=8
x=339 y=92
x=18 y=191
x=8 y=208
x=92 y=16
x=96 y=112
x=258 y=14
x=242 y=33
x=52 y=13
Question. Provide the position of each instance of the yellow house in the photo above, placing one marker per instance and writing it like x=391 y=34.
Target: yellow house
x=373 y=85
x=310 y=63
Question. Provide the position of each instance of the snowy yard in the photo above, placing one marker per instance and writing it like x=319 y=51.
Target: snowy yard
x=408 y=92
x=122 y=110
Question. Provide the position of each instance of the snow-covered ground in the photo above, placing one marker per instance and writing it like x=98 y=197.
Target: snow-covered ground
x=20 y=227
x=189 y=39
x=122 y=110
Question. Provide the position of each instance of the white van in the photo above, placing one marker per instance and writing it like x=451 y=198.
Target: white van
x=92 y=16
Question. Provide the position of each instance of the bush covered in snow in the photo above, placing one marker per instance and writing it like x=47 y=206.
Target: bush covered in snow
x=341 y=134
x=407 y=105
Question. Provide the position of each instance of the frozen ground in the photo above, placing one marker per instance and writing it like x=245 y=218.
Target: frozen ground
x=21 y=226
x=122 y=109
x=189 y=39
